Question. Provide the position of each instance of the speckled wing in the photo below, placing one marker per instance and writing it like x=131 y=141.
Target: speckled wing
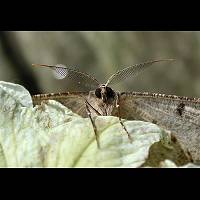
x=180 y=115
x=72 y=100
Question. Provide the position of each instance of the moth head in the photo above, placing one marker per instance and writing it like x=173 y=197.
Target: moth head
x=105 y=93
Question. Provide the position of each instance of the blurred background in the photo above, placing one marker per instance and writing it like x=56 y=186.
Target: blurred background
x=101 y=54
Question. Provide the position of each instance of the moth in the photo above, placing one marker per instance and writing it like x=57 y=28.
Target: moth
x=180 y=115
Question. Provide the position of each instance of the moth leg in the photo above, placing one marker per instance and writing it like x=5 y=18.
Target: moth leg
x=120 y=119
x=93 y=123
x=86 y=102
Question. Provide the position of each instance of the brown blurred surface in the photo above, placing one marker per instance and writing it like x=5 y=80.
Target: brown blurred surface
x=101 y=54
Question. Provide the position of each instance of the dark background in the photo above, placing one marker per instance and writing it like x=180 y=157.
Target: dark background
x=101 y=54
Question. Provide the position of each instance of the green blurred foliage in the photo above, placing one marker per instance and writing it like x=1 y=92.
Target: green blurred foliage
x=103 y=53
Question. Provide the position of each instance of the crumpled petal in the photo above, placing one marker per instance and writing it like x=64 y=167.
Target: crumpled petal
x=51 y=135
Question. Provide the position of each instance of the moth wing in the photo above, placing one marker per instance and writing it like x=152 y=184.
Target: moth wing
x=165 y=110
x=74 y=101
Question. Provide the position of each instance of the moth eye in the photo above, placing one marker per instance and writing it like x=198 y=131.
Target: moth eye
x=110 y=92
x=98 y=92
